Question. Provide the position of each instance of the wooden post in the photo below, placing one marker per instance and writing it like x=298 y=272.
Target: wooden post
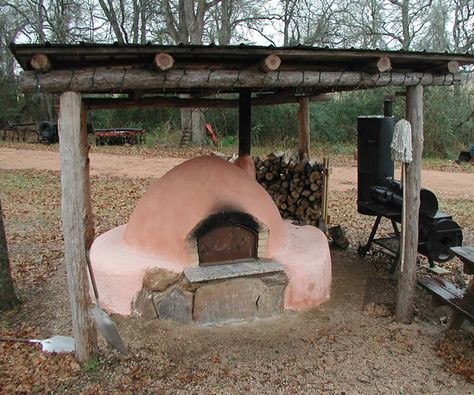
x=303 y=116
x=76 y=217
x=407 y=280
x=245 y=121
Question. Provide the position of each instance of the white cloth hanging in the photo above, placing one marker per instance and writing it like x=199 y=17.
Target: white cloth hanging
x=401 y=143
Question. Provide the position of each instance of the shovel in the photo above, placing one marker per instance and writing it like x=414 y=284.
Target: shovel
x=106 y=326
x=56 y=344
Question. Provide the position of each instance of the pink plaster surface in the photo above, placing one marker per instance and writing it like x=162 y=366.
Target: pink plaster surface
x=188 y=194
x=246 y=163
x=119 y=269
x=307 y=259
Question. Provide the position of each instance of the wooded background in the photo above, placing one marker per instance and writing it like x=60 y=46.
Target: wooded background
x=432 y=25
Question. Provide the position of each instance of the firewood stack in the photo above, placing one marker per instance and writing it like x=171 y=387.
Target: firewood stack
x=295 y=186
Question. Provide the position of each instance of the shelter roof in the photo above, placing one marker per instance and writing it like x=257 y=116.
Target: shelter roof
x=281 y=74
x=86 y=55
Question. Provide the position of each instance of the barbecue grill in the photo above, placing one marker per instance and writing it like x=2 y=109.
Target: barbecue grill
x=381 y=196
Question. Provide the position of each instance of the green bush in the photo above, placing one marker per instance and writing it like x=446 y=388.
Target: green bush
x=448 y=119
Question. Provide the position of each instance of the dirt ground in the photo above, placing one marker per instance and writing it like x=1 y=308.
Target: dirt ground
x=350 y=344
x=458 y=185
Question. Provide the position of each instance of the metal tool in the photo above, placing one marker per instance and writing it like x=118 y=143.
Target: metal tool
x=104 y=323
x=55 y=344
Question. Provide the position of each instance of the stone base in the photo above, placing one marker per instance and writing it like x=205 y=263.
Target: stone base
x=241 y=299
x=121 y=272
x=216 y=301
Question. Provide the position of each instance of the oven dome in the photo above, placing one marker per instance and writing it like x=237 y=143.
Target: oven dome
x=189 y=193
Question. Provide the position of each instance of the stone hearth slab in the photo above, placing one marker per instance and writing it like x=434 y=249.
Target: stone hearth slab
x=199 y=274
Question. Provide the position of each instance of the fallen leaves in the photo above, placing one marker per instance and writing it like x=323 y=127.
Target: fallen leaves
x=24 y=368
x=457 y=350
x=32 y=211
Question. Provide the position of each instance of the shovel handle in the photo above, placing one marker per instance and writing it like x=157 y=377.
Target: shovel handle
x=91 y=274
x=15 y=339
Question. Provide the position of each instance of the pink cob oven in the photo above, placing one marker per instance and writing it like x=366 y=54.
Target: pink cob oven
x=207 y=245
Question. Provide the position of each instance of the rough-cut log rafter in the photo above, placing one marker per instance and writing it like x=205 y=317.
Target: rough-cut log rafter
x=176 y=102
x=453 y=67
x=40 y=62
x=163 y=61
x=132 y=79
x=384 y=64
x=270 y=63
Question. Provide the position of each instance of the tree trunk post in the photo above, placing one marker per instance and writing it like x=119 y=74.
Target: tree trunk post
x=245 y=121
x=77 y=220
x=8 y=299
x=304 y=120
x=197 y=125
x=407 y=280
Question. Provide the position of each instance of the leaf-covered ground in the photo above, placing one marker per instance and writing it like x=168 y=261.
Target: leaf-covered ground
x=349 y=344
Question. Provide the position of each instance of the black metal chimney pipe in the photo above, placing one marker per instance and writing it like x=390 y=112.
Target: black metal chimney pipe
x=388 y=108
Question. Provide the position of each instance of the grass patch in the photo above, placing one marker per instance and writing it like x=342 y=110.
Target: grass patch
x=92 y=366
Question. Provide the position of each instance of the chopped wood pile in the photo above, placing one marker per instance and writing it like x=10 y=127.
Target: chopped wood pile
x=295 y=186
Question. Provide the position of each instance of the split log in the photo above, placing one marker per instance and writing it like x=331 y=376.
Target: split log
x=296 y=189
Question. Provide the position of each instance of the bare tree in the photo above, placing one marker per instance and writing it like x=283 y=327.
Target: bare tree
x=235 y=20
x=463 y=25
x=8 y=298
x=435 y=37
x=185 y=22
x=128 y=19
x=404 y=19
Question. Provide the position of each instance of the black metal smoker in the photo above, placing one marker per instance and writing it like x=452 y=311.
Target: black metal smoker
x=379 y=195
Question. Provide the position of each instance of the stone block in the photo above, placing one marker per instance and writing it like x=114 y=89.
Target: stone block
x=175 y=304
x=185 y=284
x=241 y=299
x=142 y=304
x=232 y=270
x=271 y=301
x=158 y=279
x=275 y=279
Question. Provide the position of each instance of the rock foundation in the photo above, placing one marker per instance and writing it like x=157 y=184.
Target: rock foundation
x=258 y=291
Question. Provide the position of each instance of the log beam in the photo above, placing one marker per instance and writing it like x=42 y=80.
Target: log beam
x=270 y=63
x=407 y=279
x=75 y=213
x=245 y=121
x=179 y=102
x=383 y=64
x=163 y=61
x=40 y=62
x=452 y=67
x=380 y=65
x=304 y=130
x=125 y=80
